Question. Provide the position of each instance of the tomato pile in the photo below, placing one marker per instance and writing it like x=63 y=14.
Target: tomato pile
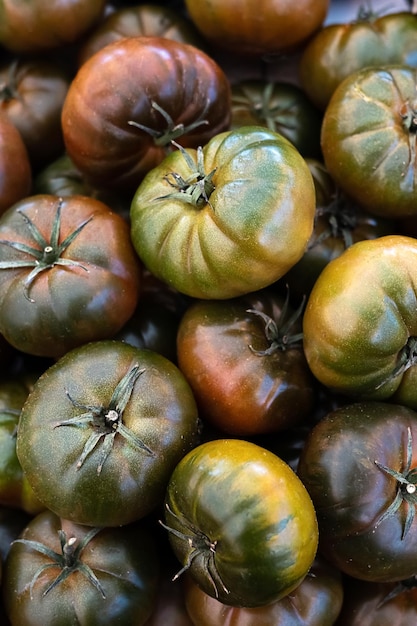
x=208 y=314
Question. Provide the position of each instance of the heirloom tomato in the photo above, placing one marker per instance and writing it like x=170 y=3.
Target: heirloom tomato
x=228 y=218
x=15 y=165
x=360 y=325
x=61 y=573
x=359 y=466
x=368 y=139
x=315 y=602
x=102 y=430
x=245 y=363
x=240 y=522
x=132 y=98
x=68 y=273
x=257 y=27
x=338 y=50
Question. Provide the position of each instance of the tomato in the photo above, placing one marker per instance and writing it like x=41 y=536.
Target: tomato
x=257 y=28
x=359 y=324
x=280 y=106
x=143 y=20
x=368 y=136
x=15 y=166
x=379 y=604
x=59 y=572
x=227 y=219
x=32 y=93
x=102 y=430
x=359 y=467
x=240 y=522
x=132 y=98
x=43 y=25
x=68 y=273
x=338 y=50
x=244 y=361
x=15 y=491
x=316 y=601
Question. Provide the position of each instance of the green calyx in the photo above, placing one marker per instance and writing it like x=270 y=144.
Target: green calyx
x=68 y=560
x=278 y=332
x=47 y=254
x=340 y=221
x=406 y=489
x=106 y=422
x=263 y=109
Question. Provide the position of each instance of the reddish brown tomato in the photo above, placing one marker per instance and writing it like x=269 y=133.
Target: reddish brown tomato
x=15 y=167
x=132 y=98
x=244 y=361
x=32 y=93
x=42 y=24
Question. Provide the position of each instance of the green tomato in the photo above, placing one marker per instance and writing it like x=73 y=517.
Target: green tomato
x=229 y=218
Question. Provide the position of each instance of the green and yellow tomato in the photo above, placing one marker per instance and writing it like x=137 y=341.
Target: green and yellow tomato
x=240 y=522
x=228 y=218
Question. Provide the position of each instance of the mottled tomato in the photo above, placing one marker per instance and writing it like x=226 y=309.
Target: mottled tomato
x=245 y=363
x=68 y=273
x=240 y=522
x=228 y=218
x=359 y=467
x=58 y=572
x=132 y=98
x=102 y=430
x=15 y=166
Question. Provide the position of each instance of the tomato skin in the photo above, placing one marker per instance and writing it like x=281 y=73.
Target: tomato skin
x=108 y=92
x=124 y=560
x=240 y=388
x=317 y=601
x=253 y=228
x=257 y=27
x=43 y=25
x=247 y=526
x=67 y=306
x=351 y=493
x=15 y=166
x=367 y=137
x=161 y=412
x=338 y=50
x=359 y=341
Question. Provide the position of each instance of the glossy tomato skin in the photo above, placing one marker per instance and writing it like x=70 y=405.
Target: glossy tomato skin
x=120 y=84
x=361 y=341
x=317 y=601
x=15 y=166
x=341 y=467
x=337 y=50
x=245 y=234
x=146 y=429
x=367 y=139
x=242 y=524
x=257 y=28
x=66 y=305
x=245 y=381
x=123 y=560
x=44 y=25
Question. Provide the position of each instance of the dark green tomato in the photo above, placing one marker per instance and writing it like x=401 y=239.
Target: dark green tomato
x=240 y=522
x=359 y=467
x=360 y=324
x=338 y=224
x=227 y=219
x=244 y=360
x=368 y=137
x=62 y=574
x=282 y=107
x=15 y=490
x=338 y=50
x=68 y=273
x=103 y=429
x=315 y=602
x=379 y=604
